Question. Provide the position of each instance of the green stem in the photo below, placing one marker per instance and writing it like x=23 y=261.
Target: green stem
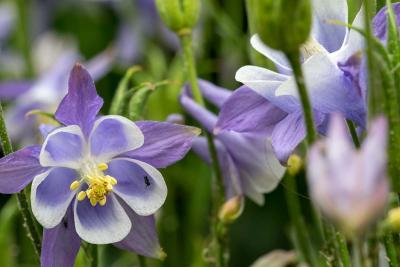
x=358 y=253
x=343 y=250
x=219 y=237
x=23 y=204
x=142 y=261
x=93 y=258
x=23 y=37
x=390 y=250
x=353 y=133
x=294 y=59
x=296 y=217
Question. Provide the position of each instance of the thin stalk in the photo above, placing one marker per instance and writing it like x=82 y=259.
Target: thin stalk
x=390 y=250
x=23 y=204
x=343 y=250
x=93 y=252
x=296 y=217
x=23 y=37
x=294 y=59
x=358 y=253
x=218 y=233
x=353 y=133
x=142 y=261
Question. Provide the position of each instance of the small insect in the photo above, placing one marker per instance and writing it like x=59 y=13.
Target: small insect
x=147 y=181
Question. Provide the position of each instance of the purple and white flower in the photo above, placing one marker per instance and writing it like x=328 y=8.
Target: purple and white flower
x=345 y=183
x=327 y=58
x=95 y=178
x=248 y=164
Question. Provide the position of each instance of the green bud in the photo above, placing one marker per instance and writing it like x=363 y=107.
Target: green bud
x=179 y=14
x=283 y=24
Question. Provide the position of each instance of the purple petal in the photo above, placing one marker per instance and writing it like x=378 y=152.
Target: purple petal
x=164 y=143
x=51 y=195
x=255 y=160
x=329 y=90
x=45 y=129
x=247 y=111
x=202 y=115
x=60 y=244
x=113 y=135
x=81 y=105
x=142 y=239
x=232 y=183
x=380 y=21
x=287 y=135
x=331 y=36
x=13 y=89
x=18 y=169
x=140 y=185
x=101 y=224
x=215 y=94
x=63 y=147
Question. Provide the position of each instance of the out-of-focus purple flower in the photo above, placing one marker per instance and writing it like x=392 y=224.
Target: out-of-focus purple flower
x=350 y=186
x=248 y=164
x=330 y=86
x=46 y=92
x=94 y=177
x=380 y=21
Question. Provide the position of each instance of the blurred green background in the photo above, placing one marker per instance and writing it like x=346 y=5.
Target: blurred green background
x=222 y=46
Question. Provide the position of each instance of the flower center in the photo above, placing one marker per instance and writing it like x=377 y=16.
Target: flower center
x=311 y=47
x=99 y=184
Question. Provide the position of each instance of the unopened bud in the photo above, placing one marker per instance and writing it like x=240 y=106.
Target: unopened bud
x=282 y=24
x=179 y=14
x=294 y=164
x=231 y=209
x=393 y=219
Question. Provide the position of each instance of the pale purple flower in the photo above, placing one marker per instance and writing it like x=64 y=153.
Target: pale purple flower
x=248 y=164
x=350 y=186
x=45 y=93
x=327 y=57
x=95 y=177
x=380 y=21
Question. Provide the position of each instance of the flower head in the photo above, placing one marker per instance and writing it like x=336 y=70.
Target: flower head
x=248 y=164
x=350 y=186
x=97 y=174
x=330 y=83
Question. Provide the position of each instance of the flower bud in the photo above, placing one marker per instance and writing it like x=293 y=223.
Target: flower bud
x=179 y=14
x=294 y=164
x=231 y=209
x=393 y=219
x=282 y=24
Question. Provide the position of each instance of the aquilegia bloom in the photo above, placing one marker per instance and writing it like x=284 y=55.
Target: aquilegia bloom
x=350 y=186
x=248 y=164
x=100 y=171
x=327 y=58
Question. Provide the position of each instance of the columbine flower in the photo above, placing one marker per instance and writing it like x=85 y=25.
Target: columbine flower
x=45 y=93
x=247 y=162
x=94 y=178
x=346 y=184
x=327 y=57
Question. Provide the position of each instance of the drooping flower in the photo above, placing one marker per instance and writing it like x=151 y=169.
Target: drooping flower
x=248 y=164
x=350 y=186
x=95 y=178
x=327 y=56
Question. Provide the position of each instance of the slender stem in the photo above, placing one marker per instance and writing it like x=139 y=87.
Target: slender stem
x=353 y=133
x=296 y=217
x=390 y=250
x=93 y=255
x=23 y=37
x=358 y=253
x=343 y=250
x=142 y=261
x=23 y=204
x=218 y=230
x=294 y=59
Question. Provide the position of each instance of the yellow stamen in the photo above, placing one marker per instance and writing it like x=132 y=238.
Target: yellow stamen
x=81 y=196
x=102 y=166
x=113 y=181
x=74 y=185
x=103 y=201
x=93 y=201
